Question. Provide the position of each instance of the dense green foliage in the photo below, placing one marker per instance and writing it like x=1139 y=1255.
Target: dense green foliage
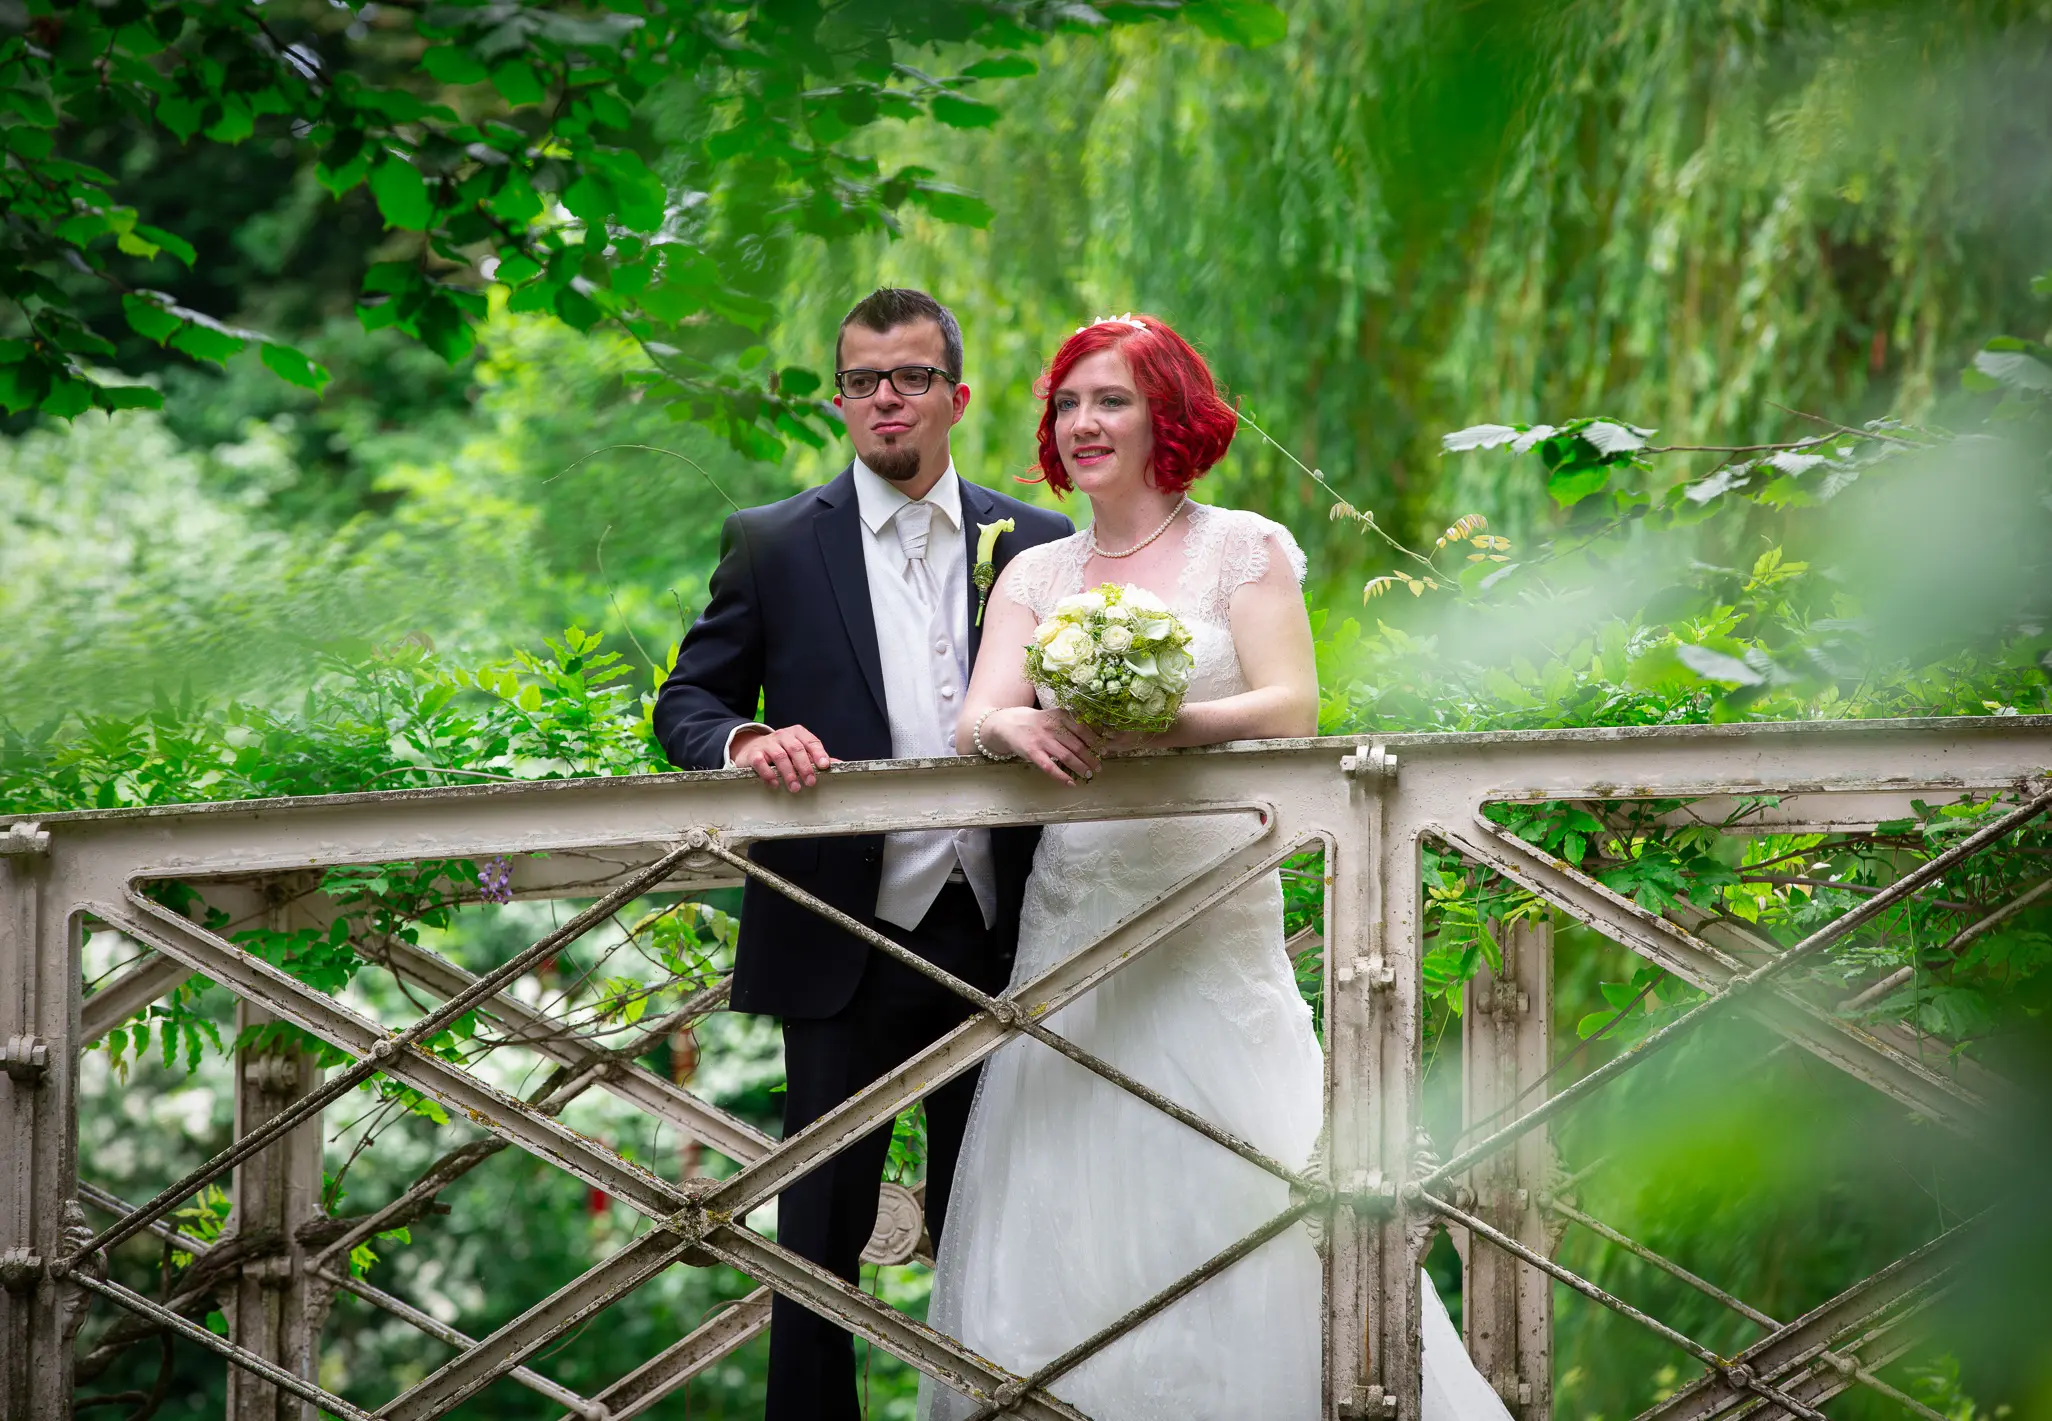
x=515 y=141
x=1619 y=235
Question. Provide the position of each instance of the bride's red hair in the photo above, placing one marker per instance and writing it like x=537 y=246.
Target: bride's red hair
x=1193 y=425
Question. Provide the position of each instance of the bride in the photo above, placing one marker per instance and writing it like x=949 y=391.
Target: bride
x=1074 y=1201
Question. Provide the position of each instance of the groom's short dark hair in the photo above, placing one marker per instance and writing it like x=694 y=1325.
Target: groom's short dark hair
x=889 y=307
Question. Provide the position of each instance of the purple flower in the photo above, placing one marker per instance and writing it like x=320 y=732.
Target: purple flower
x=495 y=880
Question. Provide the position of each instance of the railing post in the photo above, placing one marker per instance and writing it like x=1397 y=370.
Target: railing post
x=276 y=1308
x=39 y=988
x=1506 y=1043
x=1371 y=994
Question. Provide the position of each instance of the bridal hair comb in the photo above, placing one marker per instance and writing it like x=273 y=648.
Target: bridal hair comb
x=1125 y=320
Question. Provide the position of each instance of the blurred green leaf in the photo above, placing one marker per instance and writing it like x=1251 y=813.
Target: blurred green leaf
x=401 y=194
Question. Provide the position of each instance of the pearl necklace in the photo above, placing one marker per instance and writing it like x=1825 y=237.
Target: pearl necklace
x=1144 y=541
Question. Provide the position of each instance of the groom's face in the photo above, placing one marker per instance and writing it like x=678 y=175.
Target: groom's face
x=902 y=437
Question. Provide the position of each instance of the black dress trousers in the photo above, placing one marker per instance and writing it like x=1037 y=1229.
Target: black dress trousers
x=828 y=1215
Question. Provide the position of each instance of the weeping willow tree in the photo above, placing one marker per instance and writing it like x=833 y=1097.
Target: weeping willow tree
x=1405 y=217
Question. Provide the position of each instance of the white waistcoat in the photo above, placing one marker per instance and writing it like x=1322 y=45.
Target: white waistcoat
x=925 y=654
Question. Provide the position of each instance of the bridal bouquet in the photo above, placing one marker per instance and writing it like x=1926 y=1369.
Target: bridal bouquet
x=1115 y=658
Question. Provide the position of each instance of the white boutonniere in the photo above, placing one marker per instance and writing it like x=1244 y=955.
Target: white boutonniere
x=985 y=571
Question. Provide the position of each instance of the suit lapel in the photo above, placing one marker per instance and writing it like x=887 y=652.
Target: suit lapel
x=838 y=526
x=977 y=507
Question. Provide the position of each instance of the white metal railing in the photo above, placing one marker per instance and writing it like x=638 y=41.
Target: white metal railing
x=1376 y=1191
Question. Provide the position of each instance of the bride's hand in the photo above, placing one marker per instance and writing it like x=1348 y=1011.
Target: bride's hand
x=1054 y=740
x=1127 y=740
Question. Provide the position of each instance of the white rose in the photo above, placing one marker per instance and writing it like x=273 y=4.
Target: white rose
x=1047 y=631
x=1069 y=649
x=1083 y=675
x=1142 y=601
x=1116 y=638
x=1174 y=670
x=1152 y=700
x=1081 y=604
x=1118 y=612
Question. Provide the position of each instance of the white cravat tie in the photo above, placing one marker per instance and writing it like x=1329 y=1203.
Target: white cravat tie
x=923 y=858
x=914 y=522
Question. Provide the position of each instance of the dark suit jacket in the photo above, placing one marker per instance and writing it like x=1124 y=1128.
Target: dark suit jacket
x=789 y=619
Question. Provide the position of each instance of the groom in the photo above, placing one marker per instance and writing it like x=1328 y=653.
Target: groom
x=850 y=611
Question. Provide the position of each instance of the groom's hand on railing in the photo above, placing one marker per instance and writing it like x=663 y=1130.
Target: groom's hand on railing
x=791 y=756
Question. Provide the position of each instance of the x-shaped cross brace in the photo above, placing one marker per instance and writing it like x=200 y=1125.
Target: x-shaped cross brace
x=697 y=1222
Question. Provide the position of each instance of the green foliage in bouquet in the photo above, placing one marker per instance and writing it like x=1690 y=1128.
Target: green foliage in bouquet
x=1115 y=657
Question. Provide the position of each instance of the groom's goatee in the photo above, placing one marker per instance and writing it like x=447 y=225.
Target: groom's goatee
x=897 y=465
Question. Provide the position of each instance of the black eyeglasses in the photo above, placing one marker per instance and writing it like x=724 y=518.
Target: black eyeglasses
x=906 y=380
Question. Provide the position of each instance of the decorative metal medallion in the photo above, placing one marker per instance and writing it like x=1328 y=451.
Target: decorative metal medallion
x=899 y=1223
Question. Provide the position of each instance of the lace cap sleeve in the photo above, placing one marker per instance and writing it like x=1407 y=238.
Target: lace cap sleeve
x=1248 y=540
x=1033 y=578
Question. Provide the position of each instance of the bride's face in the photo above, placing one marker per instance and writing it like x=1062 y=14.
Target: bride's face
x=1102 y=430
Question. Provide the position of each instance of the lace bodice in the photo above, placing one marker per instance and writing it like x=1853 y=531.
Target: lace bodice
x=1094 y=872
x=1224 y=549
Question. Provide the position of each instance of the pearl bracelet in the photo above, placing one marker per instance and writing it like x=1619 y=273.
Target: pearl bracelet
x=977 y=736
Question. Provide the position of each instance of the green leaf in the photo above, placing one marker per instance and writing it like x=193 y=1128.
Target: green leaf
x=671 y=302
x=32 y=106
x=236 y=122
x=638 y=194
x=958 y=112
x=516 y=200
x=344 y=176
x=1594 y=1022
x=1477 y=436
x=515 y=268
x=1575 y=480
x=181 y=115
x=402 y=194
x=149 y=319
x=204 y=342
x=577 y=309
x=394 y=104
x=127 y=397
x=294 y=367
x=78 y=339
x=749 y=311
x=80 y=228
x=590 y=200
x=797 y=381
x=1716 y=666
x=391 y=278
x=1252 y=23
x=23 y=385
x=452 y=65
x=31 y=143
x=68 y=397
x=608 y=110
x=377 y=315
x=1003 y=66
x=2015 y=363
x=518 y=84
x=947 y=205
x=730 y=143
x=443 y=328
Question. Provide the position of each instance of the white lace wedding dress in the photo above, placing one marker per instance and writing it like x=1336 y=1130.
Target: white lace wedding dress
x=1074 y=1201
